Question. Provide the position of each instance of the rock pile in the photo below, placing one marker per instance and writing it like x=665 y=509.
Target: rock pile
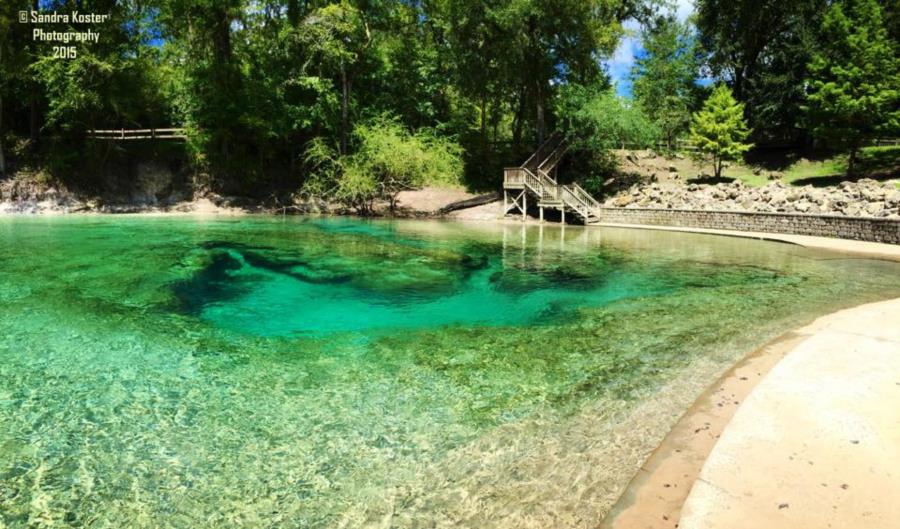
x=865 y=198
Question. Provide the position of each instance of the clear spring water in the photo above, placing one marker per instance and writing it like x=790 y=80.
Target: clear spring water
x=270 y=372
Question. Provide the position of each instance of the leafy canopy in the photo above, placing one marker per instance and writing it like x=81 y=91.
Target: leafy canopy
x=854 y=78
x=664 y=76
x=761 y=47
x=597 y=121
x=719 y=129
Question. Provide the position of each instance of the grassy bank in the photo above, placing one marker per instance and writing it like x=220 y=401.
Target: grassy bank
x=880 y=163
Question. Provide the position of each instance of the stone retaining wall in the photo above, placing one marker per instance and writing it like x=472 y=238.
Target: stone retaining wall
x=859 y=228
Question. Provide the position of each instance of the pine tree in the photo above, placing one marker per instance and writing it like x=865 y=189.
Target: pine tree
x=854 y=78
x=719 y=129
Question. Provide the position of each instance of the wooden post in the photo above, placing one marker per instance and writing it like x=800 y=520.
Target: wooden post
x=503 y=214
x=524 y=204
x=562 y=210
x=542 y=214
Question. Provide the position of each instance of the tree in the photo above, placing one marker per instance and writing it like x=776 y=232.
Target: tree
x=664 y=76
x=761 y=48
x=719 y=129
x=854 y=78
x=388 y=159
x=252 y=81
x=890 y=10
x=208 y=80
x=595 y=122
x=342 y=38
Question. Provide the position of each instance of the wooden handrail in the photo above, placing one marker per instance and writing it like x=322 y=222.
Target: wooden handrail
x=137 y=134
x=537 y=158
x=533 y=176
x=588 y=199
x=554 y=157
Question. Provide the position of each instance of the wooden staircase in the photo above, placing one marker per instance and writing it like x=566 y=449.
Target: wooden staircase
x=533 y=178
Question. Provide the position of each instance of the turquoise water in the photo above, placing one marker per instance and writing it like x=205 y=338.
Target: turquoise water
x=272 y=372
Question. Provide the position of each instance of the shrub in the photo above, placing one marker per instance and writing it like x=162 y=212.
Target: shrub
x=388 y=159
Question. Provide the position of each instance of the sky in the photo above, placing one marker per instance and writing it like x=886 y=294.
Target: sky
x=620 y=64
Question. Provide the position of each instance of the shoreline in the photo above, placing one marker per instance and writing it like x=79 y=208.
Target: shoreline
x=655 y=495
x=482 y=213
x=680 y=476
x=872 y=250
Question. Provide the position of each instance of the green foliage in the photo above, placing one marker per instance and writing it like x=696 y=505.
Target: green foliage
x=253 y=82
x=854 y=78
x=719 y=129
x=665 y=76
x=387 y=149
x=761 y=47
x=388 y=159
x=597 y=121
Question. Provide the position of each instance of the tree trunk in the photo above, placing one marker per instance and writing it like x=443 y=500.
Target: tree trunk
x=293 y=12
x=539 y=112
x=2 y=159
x=225 y=77
x=34 y=118
x=851 y=161
x=222 y=37
x=34 y=123
x=535 y=73
x=518 y=119
x=345 y=112
x=494 y=124
x=483 y=118
x=738 y=88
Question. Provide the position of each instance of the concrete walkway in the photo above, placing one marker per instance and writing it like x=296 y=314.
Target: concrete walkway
x=872 y=250
x=817 y=443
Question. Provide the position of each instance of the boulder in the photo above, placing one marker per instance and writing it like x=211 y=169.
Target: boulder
x=623 y=201
x=874 y=208
x=892 y=197
x=871 y=193
x=777 y=197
